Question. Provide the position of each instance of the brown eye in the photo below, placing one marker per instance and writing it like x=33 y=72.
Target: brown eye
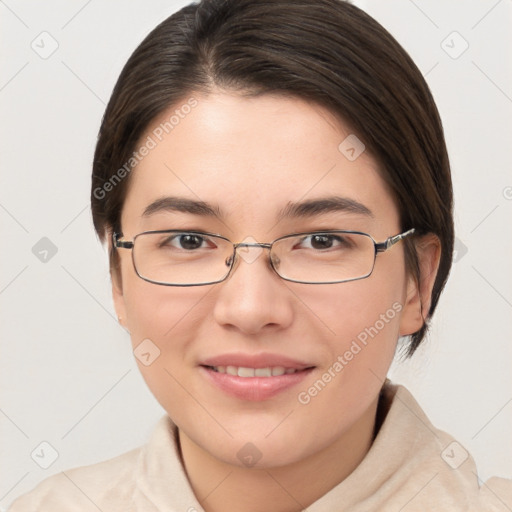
x=190 y=242
x=319 y=241
x=186 y=241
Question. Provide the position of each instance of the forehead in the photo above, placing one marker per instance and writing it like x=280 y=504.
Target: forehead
x=253 y=156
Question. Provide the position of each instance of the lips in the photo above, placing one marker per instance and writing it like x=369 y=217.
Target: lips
x=261 y=360
x=243 y=371
x=254 y=377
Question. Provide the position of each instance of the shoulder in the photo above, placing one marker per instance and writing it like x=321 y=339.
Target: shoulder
x=496 y=494
x=85 y=488
x=422 y=456
x=133 y=481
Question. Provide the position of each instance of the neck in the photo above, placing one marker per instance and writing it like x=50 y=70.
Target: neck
x=220 y=486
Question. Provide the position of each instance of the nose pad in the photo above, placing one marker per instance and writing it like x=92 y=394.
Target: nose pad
x=275 y=261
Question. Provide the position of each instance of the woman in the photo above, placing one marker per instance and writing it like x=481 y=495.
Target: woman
x=273 y=184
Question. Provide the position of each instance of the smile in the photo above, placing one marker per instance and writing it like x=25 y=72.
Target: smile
x=243 y=371
x=254 y=384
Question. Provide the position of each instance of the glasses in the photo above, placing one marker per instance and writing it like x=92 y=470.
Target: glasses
x=194 y=258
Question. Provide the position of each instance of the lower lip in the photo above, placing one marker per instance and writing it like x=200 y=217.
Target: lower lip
x=254 y=388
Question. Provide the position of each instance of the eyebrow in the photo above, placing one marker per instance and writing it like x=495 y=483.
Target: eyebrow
x=323 y=205
x=182 y=204
x=310 y=208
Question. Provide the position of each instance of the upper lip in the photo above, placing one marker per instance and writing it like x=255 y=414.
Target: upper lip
x=262 y=360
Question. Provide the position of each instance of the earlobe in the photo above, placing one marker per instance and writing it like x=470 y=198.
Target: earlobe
x=419 y=291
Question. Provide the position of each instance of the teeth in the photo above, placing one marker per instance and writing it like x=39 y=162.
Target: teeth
x=231 y=370
x=242 y=371
x=278 y=370
x=245 y=372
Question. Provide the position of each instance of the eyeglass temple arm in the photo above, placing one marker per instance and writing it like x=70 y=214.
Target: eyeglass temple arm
x=121 y=244
x=392 y=240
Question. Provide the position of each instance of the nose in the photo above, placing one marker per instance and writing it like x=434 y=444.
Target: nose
x=253 y=298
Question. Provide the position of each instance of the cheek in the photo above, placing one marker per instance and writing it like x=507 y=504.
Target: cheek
x=360 y=323
x=162 y=322
x=156 y=311
x=361 y=309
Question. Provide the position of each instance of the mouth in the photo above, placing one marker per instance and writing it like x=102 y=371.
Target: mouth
x=246 y=372
x=254 y=378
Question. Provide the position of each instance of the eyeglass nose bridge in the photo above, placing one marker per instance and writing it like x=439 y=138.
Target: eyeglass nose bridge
x=258 y=244
x=230 y=262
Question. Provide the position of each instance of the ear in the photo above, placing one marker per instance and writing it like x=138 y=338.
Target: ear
x=117 y=287
x=419 y=291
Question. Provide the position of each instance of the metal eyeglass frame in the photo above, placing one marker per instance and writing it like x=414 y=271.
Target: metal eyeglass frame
x=379 y=247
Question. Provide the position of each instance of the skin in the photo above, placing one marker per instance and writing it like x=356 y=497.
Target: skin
x=251 y=156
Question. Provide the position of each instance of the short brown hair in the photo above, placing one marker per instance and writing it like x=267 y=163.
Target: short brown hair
x=324 y=51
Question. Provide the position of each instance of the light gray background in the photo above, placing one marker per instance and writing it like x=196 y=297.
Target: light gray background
x=67 y=372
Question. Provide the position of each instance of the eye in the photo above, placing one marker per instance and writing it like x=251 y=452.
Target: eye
x=319 y=241
x=186 y=241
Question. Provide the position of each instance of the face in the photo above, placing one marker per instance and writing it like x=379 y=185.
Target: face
x=249 y=158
